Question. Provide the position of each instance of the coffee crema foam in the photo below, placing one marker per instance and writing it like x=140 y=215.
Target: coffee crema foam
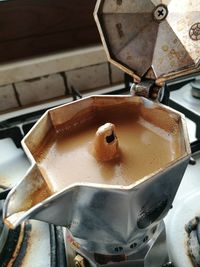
x=144 y=149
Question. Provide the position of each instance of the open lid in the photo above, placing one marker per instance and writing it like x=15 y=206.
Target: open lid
x=156 y=39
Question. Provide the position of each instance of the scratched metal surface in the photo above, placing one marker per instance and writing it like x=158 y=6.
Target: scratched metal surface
x=36 y=251
x=158 y=39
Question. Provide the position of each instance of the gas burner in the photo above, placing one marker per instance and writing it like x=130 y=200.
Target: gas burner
x=19 y=247
x=193 y=230
x=183 y=217
x=13 y=243
x=53 y=235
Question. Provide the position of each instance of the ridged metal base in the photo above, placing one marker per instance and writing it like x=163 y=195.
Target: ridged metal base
x=152 y=254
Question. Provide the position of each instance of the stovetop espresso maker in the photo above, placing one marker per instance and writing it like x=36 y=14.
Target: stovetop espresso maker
x=116 y=223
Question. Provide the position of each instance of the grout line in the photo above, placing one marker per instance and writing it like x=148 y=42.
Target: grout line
x=17 y=95
x=64 y=76
x=55 y=63
x=50 y=104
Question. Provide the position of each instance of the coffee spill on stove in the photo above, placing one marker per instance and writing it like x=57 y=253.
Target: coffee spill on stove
x=68 y=159
x=33 y=199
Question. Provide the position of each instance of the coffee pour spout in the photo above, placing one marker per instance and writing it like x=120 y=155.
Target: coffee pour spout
x=30 y=199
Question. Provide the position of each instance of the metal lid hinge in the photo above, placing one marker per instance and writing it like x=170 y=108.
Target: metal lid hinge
x=148 y=89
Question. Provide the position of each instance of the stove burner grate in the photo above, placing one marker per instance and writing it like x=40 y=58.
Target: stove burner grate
x=14 y=244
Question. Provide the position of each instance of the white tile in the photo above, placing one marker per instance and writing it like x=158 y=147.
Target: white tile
x=40 y=89
x=45 y=65
x=88 y=78
x=117 y=75
x=7 y=98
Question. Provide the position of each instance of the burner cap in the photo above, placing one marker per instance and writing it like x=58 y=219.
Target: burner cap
x=193 y=230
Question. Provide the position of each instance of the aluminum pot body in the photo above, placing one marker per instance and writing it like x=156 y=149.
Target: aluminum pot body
x=101 y=218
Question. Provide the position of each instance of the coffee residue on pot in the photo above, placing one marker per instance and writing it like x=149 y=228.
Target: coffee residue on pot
x=67 y=159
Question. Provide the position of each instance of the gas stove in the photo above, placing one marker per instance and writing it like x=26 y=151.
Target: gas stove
x=38 y=244
x=114 y=224
x=33 y=243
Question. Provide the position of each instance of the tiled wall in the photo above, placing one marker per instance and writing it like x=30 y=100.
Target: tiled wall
x=90 y=76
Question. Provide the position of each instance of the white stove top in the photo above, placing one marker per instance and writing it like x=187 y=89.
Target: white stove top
x=185 y=208
x=13 y=166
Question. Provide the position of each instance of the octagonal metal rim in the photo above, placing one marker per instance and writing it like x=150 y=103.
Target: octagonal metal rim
x=120 y=187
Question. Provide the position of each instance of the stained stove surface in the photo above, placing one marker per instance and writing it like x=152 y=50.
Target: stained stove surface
x=34 y=243
x=186 y=203
x=41 y=245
